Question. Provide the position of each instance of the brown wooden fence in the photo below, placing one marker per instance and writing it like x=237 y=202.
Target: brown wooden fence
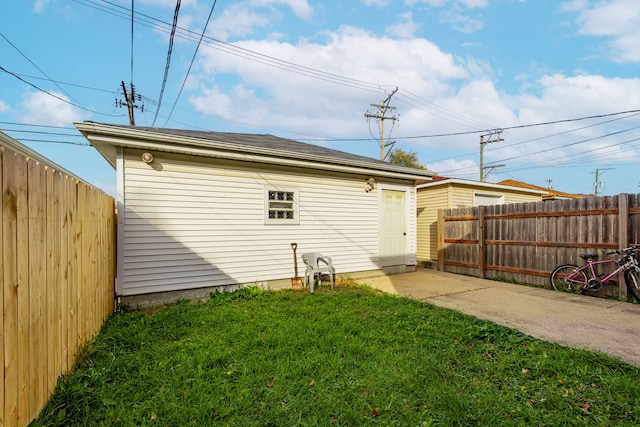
x=525 y=242
x=57 y=280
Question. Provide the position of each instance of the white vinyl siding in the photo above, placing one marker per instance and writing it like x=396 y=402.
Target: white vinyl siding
x=191 y=223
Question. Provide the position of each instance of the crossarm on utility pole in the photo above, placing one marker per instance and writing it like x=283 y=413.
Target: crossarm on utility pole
x=380 y=115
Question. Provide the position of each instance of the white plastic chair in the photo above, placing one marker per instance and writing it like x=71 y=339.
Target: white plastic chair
x=317 y=264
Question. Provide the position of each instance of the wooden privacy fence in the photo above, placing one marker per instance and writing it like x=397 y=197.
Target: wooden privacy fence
x=524 y=242
x=57 y=281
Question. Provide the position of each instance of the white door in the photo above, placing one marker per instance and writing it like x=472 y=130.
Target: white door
x=393 y=233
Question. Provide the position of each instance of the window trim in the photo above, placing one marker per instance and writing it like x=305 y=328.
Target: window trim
x=295 y=206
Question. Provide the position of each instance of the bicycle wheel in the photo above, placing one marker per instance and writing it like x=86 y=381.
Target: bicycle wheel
x=575 y=283
x=632 y=280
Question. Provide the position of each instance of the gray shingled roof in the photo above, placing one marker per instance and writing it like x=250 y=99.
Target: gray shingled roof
x=277 y=146
x=271 y=142
x=261 y=148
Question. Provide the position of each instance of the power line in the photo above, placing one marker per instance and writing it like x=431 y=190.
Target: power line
x=143 y=19
x=38 y=125
x=66 y=83
x=513 y=145
x=166 y=69
x=53 y=95
x=40 y=132
x=38 y=68
x=547 y=136
x=82 y=144
x=132 y=21
x=571 y=144
x=412 y=99
x=473 y=132
x=583 y=157
x=191 y=63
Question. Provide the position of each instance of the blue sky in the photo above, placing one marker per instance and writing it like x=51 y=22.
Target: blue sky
x=309 y=70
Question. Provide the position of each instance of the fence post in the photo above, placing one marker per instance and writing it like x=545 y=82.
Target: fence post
x=623 y=239
x=440 y=248
x=482 y=251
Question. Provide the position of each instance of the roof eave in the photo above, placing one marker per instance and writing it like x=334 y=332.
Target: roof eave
x=105 y=138
x=480 y=184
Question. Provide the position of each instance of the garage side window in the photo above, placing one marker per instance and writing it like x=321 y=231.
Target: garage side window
x=281 y=206
x=487 y=199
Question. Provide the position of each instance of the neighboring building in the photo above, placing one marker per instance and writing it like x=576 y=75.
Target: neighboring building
x=205 y=211
x=451 y=193
x=551 y=194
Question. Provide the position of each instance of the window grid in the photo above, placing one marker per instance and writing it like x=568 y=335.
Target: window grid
x=281 y=205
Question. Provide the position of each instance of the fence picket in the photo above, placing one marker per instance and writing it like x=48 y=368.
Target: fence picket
x=2 y=285
x=37 y=293
x=10 y=297
x=22 y=294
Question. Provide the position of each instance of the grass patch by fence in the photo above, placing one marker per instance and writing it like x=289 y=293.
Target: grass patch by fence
x=352 y=357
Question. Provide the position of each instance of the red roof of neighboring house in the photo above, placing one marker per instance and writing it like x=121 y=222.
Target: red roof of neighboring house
x=435 y=178
x=551 y=193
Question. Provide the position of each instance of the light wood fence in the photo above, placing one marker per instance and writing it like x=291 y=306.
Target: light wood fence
x=57 y=280
x=524 y=242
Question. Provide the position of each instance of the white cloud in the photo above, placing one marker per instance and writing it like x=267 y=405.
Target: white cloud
x=561 y=97
x=471 y=4
x=574 y=5
x=4 y=107
x=474 y=3
x=237 y=20
x=43 y=109
x=296 y=101
x=376 y=3
x=300 y=8
x=456 y=13
x=439 y=93
x=404 y=28
x=461 y=22
x=240 y=104
x=588 y=94
x=616 y=20
x=38 y=6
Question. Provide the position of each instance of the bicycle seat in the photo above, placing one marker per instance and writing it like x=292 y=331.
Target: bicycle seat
x=587 y=257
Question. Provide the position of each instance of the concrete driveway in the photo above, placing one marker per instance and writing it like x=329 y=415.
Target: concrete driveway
x=578 y=321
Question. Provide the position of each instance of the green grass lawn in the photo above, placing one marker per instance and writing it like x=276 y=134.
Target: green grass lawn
x=349 y=357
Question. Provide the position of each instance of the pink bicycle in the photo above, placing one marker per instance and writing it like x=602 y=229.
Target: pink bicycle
x=574 y=278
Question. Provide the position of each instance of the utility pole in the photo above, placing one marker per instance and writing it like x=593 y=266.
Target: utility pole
x=380 y=116
x=130 y=102
x=599 y=183
x=493 y=136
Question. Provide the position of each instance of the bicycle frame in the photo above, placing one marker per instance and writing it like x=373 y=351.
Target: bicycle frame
x=589 y=266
